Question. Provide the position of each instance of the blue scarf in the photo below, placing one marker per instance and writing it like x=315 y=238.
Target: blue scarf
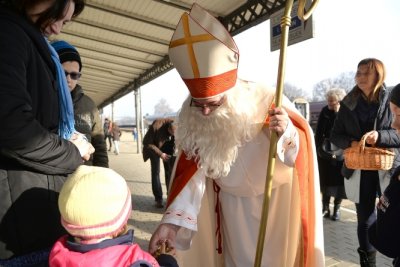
x=66 y=124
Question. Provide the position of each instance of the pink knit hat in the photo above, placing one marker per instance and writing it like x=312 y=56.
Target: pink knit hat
x=94 y=202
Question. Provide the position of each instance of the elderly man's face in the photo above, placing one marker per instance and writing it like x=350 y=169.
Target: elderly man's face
x=207 y=105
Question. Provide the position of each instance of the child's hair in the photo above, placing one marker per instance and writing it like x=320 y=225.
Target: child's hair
x=95 y=203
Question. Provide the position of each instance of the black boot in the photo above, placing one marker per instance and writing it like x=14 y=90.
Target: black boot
x=367 y=259
x=336 y=212
x=326 y=213
x=325 y=206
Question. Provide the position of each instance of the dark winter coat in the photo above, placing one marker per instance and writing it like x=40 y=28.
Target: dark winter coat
x=155 y=138
x=329 y=168
x=87 y=122
x=34 y=160
x=385 y=232
x=347 y=127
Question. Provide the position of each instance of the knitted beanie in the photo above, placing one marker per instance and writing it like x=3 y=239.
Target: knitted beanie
x=94 y=202
x=67 y=52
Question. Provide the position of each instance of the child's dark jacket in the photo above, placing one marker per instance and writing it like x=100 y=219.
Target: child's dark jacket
x=385 y=233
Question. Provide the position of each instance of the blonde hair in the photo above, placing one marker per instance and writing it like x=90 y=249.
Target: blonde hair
x=377 y=66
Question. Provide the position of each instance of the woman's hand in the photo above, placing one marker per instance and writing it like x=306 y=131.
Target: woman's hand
x=85 y=148
x=371 y=137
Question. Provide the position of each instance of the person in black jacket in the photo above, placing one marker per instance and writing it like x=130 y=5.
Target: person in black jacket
x=385 y=233
x=330 y=160
x=365 y=111
x=86 y=114
x=107 y=127
x=38 y=144
x=158 y=143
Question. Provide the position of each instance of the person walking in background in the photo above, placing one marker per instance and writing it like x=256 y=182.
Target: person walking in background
x=116 y=135
x=330 y=159
x=95 y=205
x=159 y=136
x=86 y=114
x=107 y=127
x=216 y=195
x=135 y=134
x=365 y=111
x=38 y=143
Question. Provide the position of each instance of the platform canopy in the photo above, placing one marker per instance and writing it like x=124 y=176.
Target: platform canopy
x=124 y=43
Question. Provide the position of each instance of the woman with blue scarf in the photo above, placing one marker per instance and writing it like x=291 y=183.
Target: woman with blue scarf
x=38 y=143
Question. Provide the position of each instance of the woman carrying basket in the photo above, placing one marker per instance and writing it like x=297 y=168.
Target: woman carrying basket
x=365 y=112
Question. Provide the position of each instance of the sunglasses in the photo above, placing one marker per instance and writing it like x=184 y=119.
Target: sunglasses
x=74 y=75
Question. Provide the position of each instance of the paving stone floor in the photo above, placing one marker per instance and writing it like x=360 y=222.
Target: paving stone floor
x=340 y=236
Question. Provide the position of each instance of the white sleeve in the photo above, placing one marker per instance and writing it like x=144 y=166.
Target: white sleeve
x=288 y=145
x=184 y=209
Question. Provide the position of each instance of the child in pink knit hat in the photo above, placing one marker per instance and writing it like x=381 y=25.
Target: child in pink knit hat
x=95 y=205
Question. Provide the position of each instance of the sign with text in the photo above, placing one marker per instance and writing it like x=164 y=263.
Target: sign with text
x=298 y=31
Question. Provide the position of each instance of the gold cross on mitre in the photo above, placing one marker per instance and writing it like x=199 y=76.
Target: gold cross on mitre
x=204 y=54
x=189 y=40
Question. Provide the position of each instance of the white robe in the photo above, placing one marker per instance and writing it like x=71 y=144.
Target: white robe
x=241 y=198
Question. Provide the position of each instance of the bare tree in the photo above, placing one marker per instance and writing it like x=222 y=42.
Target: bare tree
x=344 y=80
x=292 y=92
x=320 y=89
x=162 y=107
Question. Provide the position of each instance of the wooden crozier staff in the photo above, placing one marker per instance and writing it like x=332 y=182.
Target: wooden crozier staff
x=285 y=24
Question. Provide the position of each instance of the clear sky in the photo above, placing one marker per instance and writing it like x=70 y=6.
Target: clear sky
x=345 y=31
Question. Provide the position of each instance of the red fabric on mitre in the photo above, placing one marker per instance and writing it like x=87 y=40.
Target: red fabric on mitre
x=304 y=166
x=211 y=86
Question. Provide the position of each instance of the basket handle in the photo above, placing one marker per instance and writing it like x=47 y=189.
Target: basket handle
x=362 y=143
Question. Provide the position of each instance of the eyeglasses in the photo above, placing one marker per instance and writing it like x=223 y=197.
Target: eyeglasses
x=74 y=75
x=210 y=105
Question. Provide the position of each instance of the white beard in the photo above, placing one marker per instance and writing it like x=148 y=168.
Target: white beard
x=213 y=140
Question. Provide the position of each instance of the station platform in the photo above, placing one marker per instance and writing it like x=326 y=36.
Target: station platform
x=340 y=237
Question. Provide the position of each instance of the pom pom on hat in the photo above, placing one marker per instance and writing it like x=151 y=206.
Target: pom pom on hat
x=94 y=202
x=67 y=52
x=204 y=54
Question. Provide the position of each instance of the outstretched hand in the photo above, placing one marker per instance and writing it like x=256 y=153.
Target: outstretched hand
x=164 y=234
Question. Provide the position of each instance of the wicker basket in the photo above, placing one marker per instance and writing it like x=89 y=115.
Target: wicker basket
x=368 y=158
